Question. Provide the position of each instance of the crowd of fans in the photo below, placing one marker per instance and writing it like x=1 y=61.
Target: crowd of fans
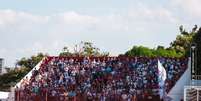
x=99 y=79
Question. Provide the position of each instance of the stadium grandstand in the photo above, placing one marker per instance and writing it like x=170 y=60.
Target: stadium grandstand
x=99 y=79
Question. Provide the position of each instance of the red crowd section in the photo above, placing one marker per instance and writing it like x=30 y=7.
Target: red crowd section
x=99 y=79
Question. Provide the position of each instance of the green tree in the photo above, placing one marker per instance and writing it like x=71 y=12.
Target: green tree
x=90 y=50
x=32 y=61
x=26 y=64
x=183 y=41
x=65 y=52
x=180 y=47
x=11 y=78
x=140 y=51
x=160 y=51
x=84 y=49
x=197 y=40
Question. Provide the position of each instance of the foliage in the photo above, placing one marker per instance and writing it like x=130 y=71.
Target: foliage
x=83 y=49
x=145 y=51
x=26 y=64
x=183 y=41
x=32 y=61
x=11 y=78
x=139 y=51
x=180 y=47
x=197 y=40
x=65 y=52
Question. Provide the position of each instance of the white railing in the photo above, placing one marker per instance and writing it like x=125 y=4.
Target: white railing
x=192 y=93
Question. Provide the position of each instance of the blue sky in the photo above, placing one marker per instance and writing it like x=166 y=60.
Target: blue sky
x=31 y=26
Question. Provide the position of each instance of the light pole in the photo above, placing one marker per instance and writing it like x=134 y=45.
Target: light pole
x=193 y=54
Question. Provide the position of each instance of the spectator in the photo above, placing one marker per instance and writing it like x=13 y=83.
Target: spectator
x=98 y=78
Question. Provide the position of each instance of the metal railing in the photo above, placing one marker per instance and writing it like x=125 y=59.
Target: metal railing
x=45 y=95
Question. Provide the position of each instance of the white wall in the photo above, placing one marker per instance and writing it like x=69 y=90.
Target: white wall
x=3 y=96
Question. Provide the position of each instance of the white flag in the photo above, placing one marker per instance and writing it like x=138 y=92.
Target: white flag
x=161 y=79
x=161 y=72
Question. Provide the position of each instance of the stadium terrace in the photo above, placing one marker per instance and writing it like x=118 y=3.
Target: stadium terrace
x=99 y=79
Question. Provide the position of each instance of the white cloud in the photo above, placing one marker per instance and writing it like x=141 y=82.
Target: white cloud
x=2 y=52
x=10 y=17
x=192 y=7
x=49 y=33
x=154 y=14
x=75 y=18
x=6 y=17
x=75 y=21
